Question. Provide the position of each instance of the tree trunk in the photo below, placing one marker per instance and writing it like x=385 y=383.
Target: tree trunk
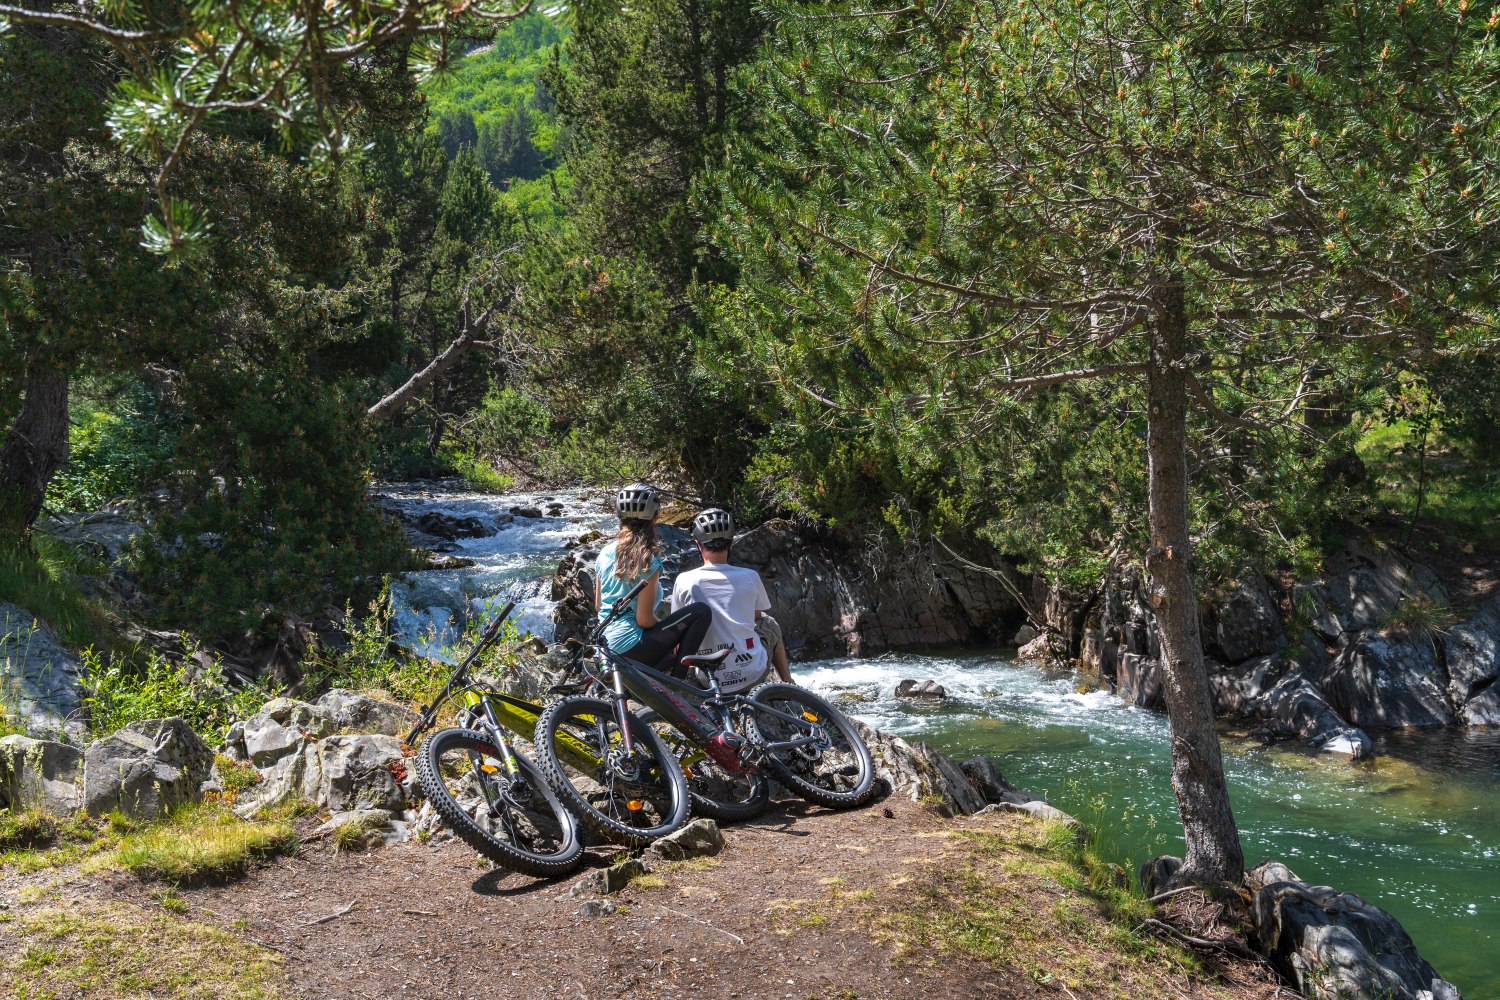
x=1213 y=841
x=35 y=448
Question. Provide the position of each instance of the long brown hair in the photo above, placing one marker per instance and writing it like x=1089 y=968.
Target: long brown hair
x=634 y=547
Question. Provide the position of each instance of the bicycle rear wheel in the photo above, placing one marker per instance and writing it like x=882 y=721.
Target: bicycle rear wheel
x=833 y=770
x=631 y=798
x=716 y=792
x=517 y=820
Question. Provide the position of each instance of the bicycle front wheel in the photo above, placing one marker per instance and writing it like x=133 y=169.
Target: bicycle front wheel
x=516 y=820
x=631 y=797
x=810 y=746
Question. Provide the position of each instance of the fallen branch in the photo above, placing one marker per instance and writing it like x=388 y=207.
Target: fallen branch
x=419 y=913
x=331 y=916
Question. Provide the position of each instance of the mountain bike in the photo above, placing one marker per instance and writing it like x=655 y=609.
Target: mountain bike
x=488 y=793
x=806 y=743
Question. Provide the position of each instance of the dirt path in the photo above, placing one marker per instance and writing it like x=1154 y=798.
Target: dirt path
x=887 y=901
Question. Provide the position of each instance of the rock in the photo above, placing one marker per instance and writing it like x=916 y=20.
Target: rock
x=987 y=780
x=699 y=839
x=1483 y=709
x=1241 y=689
x=1037 y=809
x=920 y=689
x=1364 y=585
x=103 y=534
x=40 y=678
x=1351 y=743
x=1248 y=623
x=342 y=773
x=40 y=774
x=1140 y=681
x=1378 y=680
x=349 y=711
x=1332 y=944
x=1473 y=658
x=145 y=769
x=526 y=511
x=450 y=528
x=1024 y=635
x=917 y=771
x=1295 y=707
x=596 y=908
x=439 y=560
x=607 y=881
x=1157 y=874
x=1044 y=649
x=280 y=727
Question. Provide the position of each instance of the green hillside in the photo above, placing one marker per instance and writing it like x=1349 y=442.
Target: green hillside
x=495 y=101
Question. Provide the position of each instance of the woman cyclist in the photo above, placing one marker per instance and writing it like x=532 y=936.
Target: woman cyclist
x=621 y=565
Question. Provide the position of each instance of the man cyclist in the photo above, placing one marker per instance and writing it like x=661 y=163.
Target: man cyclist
x=738 y=600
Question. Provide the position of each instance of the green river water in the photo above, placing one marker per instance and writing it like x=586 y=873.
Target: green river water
x=1416 y=831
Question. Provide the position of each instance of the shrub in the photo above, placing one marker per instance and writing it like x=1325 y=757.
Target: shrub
x=118 y=692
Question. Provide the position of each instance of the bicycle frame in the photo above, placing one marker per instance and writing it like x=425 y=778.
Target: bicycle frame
x=693 y=711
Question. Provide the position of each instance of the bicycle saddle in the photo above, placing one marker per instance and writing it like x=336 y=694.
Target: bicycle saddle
x=708 y=661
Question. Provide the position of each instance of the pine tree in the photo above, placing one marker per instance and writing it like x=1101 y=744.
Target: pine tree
x=956 y=216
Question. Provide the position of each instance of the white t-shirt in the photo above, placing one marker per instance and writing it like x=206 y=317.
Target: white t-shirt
x=735 y=594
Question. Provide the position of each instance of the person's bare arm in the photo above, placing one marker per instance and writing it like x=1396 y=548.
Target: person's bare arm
x=645 y=603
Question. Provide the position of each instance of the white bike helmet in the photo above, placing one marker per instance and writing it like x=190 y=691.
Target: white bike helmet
x=637 y=501
x=713 y=525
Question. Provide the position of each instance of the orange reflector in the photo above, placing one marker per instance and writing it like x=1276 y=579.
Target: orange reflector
x=809 y=717
x=488 y=768
x=635 y=805
x=687 y=773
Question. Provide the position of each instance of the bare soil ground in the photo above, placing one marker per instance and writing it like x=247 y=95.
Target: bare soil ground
x=887 y=901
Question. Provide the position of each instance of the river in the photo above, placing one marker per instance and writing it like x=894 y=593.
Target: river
x=1416 y=830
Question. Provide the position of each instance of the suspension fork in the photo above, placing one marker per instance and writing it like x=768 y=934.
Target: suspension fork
x=621 y=701
x=497 y=734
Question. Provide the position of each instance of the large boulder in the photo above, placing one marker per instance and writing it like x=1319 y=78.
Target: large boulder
x=917 y=771
x=1363 y=585
x=344 y=773
x=1335 y=945
x=1384 y=681
x=1473 y=660
x=38 y=675
x=281 y=726
x=352 y=712
x=145 y=769
x=1242 y=688
x=40 y=774
x=1248 y=623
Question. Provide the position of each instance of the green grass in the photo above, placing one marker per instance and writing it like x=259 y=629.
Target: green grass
x=1459 y=496
x=30 y=829
x=114 y=951
x=39 y=573
x=1033 y=898
x=202 y=841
